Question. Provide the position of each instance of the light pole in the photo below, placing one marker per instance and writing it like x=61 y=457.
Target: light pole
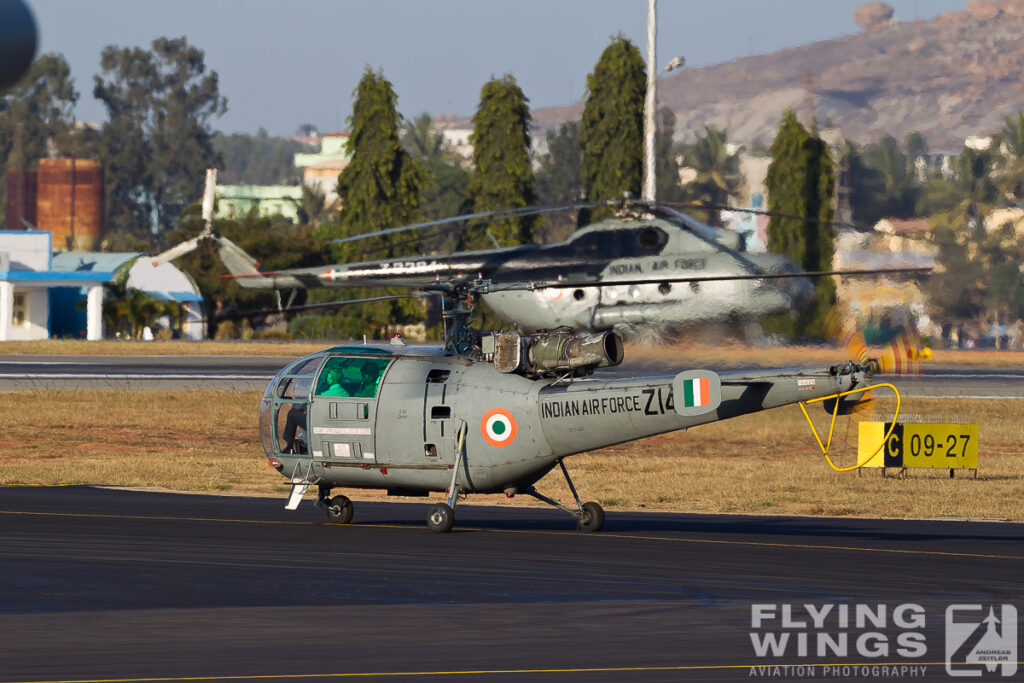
x=651 y=98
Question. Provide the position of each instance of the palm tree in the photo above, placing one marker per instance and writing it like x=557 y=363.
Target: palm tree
x=898 y=188
x=312 y=205
x=718 y=171
x=127 y=311
x=1010 y=142
x=421 y=140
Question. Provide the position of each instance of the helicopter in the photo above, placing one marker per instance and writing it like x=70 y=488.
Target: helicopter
x=648 y=267
x=495 y=412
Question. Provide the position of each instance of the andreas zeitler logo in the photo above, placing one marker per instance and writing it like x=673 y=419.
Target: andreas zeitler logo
x=981 y=637
x=977 y=638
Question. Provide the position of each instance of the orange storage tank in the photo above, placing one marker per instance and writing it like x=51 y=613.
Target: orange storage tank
x=69 y=203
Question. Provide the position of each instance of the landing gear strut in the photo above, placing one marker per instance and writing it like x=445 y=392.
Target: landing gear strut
x=442 y=516
x=589 y=516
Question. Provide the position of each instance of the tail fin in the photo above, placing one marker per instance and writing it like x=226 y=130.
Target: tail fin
x=245 y=268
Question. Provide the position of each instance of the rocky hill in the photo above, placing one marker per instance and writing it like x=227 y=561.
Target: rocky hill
x=951 y=77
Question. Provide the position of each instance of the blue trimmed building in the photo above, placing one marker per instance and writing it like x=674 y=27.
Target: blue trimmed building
x=44 y=295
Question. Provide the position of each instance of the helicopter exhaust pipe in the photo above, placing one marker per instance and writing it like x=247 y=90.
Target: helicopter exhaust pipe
x=553 y=353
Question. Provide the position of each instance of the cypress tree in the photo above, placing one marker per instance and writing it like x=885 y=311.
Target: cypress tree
x=502 y=176
x=612 y=129
x=380 y=188
x=801 y=182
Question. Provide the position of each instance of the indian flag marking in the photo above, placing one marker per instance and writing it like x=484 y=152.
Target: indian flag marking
x=498 y=427
x=696 y=392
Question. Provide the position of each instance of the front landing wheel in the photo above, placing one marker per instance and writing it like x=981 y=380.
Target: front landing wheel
x=592 y=518
x=441 y=518
x=340 y=510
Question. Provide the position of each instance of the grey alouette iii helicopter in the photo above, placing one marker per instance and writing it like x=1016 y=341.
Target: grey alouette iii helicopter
x=495 y=412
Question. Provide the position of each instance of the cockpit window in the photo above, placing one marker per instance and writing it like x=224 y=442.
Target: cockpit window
x=358 y=377
x=651 y=239
x=307 y=367
x=294 y=387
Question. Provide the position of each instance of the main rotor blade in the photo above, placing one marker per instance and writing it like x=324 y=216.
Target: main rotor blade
x=329 y=304
x=493 y=215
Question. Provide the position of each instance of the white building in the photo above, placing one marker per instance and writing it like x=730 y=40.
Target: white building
x=26 y=278
x=43 y=294
x=321 y=169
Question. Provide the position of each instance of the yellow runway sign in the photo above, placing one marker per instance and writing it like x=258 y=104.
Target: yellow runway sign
x=920 y=444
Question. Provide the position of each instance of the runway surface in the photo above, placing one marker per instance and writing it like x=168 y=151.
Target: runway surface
x=102 y=584
x=241 y=373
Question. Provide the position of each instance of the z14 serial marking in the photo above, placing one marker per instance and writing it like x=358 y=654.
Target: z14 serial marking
x=648 y=402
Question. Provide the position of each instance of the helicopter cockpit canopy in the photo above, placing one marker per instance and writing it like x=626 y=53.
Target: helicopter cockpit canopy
x=343 y=372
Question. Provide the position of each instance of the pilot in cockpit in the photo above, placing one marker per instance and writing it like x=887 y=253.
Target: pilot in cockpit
x=333 y=383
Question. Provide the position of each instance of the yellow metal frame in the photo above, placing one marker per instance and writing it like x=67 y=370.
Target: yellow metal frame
x=825 y=448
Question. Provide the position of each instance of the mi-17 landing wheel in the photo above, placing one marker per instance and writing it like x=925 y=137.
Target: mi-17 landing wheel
x=340 y=510
x=441 y=518
x=592 y=518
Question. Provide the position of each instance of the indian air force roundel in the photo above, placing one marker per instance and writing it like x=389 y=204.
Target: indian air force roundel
x=498 y=427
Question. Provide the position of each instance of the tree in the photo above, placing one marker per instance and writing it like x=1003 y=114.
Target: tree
x=800 y=182
x=559 y=178
x=312 y=205
x=897 y=188
x=1010 y=142
x=127 y=311
x=257 y=159
x=157 y=140
x=718 y=172
x=666 y=159
x=445 y=195
x=502 y=177
x=979 y=272
x=35 y=115
x=612 y=129
x=380 y=188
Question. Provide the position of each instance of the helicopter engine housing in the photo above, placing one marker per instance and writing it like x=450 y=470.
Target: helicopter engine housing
x=553 y=352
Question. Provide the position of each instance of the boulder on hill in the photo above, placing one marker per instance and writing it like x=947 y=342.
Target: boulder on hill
x=873 y=15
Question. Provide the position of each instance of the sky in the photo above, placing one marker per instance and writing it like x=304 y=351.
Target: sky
x=283 y=64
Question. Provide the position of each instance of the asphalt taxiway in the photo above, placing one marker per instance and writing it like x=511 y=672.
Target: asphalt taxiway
x=101 y=584
x=252 y=373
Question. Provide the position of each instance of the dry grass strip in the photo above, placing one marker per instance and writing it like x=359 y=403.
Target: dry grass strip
x=766 y=463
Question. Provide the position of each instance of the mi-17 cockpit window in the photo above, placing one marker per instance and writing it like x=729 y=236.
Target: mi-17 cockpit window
x=356 y=377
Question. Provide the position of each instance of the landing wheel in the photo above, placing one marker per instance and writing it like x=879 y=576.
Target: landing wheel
x=441 y=518
x=592 y=518
x=340 y=510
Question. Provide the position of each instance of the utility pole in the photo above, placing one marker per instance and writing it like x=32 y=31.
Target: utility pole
x=650 y=101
